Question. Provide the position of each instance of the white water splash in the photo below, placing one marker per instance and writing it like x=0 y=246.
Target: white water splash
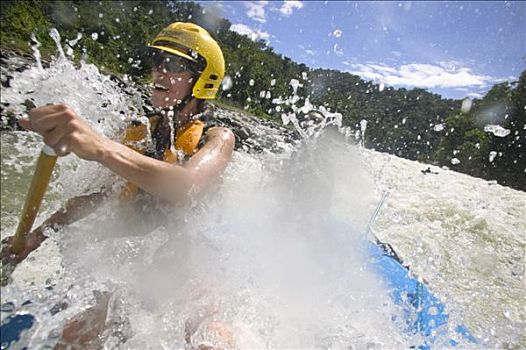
x=438 y=127
x=72 y=44
x=266 y=227
x=363 y=127
x=53 y=33
x=227 y=83
x=497 y=130
x=295 y=84
x=93 y=96
x=36 y=52
x=466 y=105
x=492 y=156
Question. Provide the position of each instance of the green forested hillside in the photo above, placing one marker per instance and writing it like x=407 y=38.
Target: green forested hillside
x=414 y=124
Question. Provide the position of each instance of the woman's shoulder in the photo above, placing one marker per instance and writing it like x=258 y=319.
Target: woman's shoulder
x=220 y=132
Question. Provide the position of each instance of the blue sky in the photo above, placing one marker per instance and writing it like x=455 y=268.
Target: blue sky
x=456 y=49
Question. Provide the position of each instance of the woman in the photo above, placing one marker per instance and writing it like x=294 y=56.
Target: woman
x=179 y=158
x=188 y=67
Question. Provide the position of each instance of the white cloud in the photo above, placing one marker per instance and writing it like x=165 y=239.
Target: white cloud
x=422 y=75
x=289 y=6
x=256 y=10
x=254 y=34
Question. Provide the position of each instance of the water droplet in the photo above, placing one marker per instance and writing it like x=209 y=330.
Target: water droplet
x=492 y=156
x=497 y=130
x=227 y=83
x=433 y=310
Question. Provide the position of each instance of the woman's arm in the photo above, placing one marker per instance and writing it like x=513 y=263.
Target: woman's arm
x=75 y=209
x=65 y=132
x=171 y=181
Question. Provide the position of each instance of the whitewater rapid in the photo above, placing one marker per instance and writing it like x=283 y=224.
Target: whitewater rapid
x=462 y=235
x=465 y=236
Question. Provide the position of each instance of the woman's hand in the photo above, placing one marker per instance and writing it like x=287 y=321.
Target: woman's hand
x=31 y=242
x=64 y=131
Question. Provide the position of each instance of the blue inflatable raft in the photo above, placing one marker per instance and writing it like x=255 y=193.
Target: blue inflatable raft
x=423 y=312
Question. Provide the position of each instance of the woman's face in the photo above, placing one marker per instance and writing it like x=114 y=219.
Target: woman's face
x=169 y=88
x=173 y=79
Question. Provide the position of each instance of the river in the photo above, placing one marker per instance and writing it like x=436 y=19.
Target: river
x=254 y=250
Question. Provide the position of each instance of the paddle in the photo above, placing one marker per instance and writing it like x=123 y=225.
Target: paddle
x=42 y=175
x=39 y=183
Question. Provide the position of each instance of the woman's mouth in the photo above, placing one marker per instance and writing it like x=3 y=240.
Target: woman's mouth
x=160 y=87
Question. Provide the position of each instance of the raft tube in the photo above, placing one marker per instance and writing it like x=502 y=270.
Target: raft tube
x=423 y=312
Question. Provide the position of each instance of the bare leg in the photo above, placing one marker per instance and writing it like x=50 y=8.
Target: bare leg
x=222 y=333
x=85 y=330
x=212 y=331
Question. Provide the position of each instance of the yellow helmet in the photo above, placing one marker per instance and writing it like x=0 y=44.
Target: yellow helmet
x=186 y=40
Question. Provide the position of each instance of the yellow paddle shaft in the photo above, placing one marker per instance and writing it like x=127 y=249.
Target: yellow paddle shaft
x=46 y=163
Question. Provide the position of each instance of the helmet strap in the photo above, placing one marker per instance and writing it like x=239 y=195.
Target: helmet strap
x=178 y=109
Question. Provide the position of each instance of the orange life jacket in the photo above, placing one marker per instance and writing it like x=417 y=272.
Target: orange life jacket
x=137 y=137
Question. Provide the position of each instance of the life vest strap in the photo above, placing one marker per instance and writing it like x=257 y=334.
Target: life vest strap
x=186 y=140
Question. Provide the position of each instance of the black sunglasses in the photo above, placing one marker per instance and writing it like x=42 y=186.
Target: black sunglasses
x=172 y=63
